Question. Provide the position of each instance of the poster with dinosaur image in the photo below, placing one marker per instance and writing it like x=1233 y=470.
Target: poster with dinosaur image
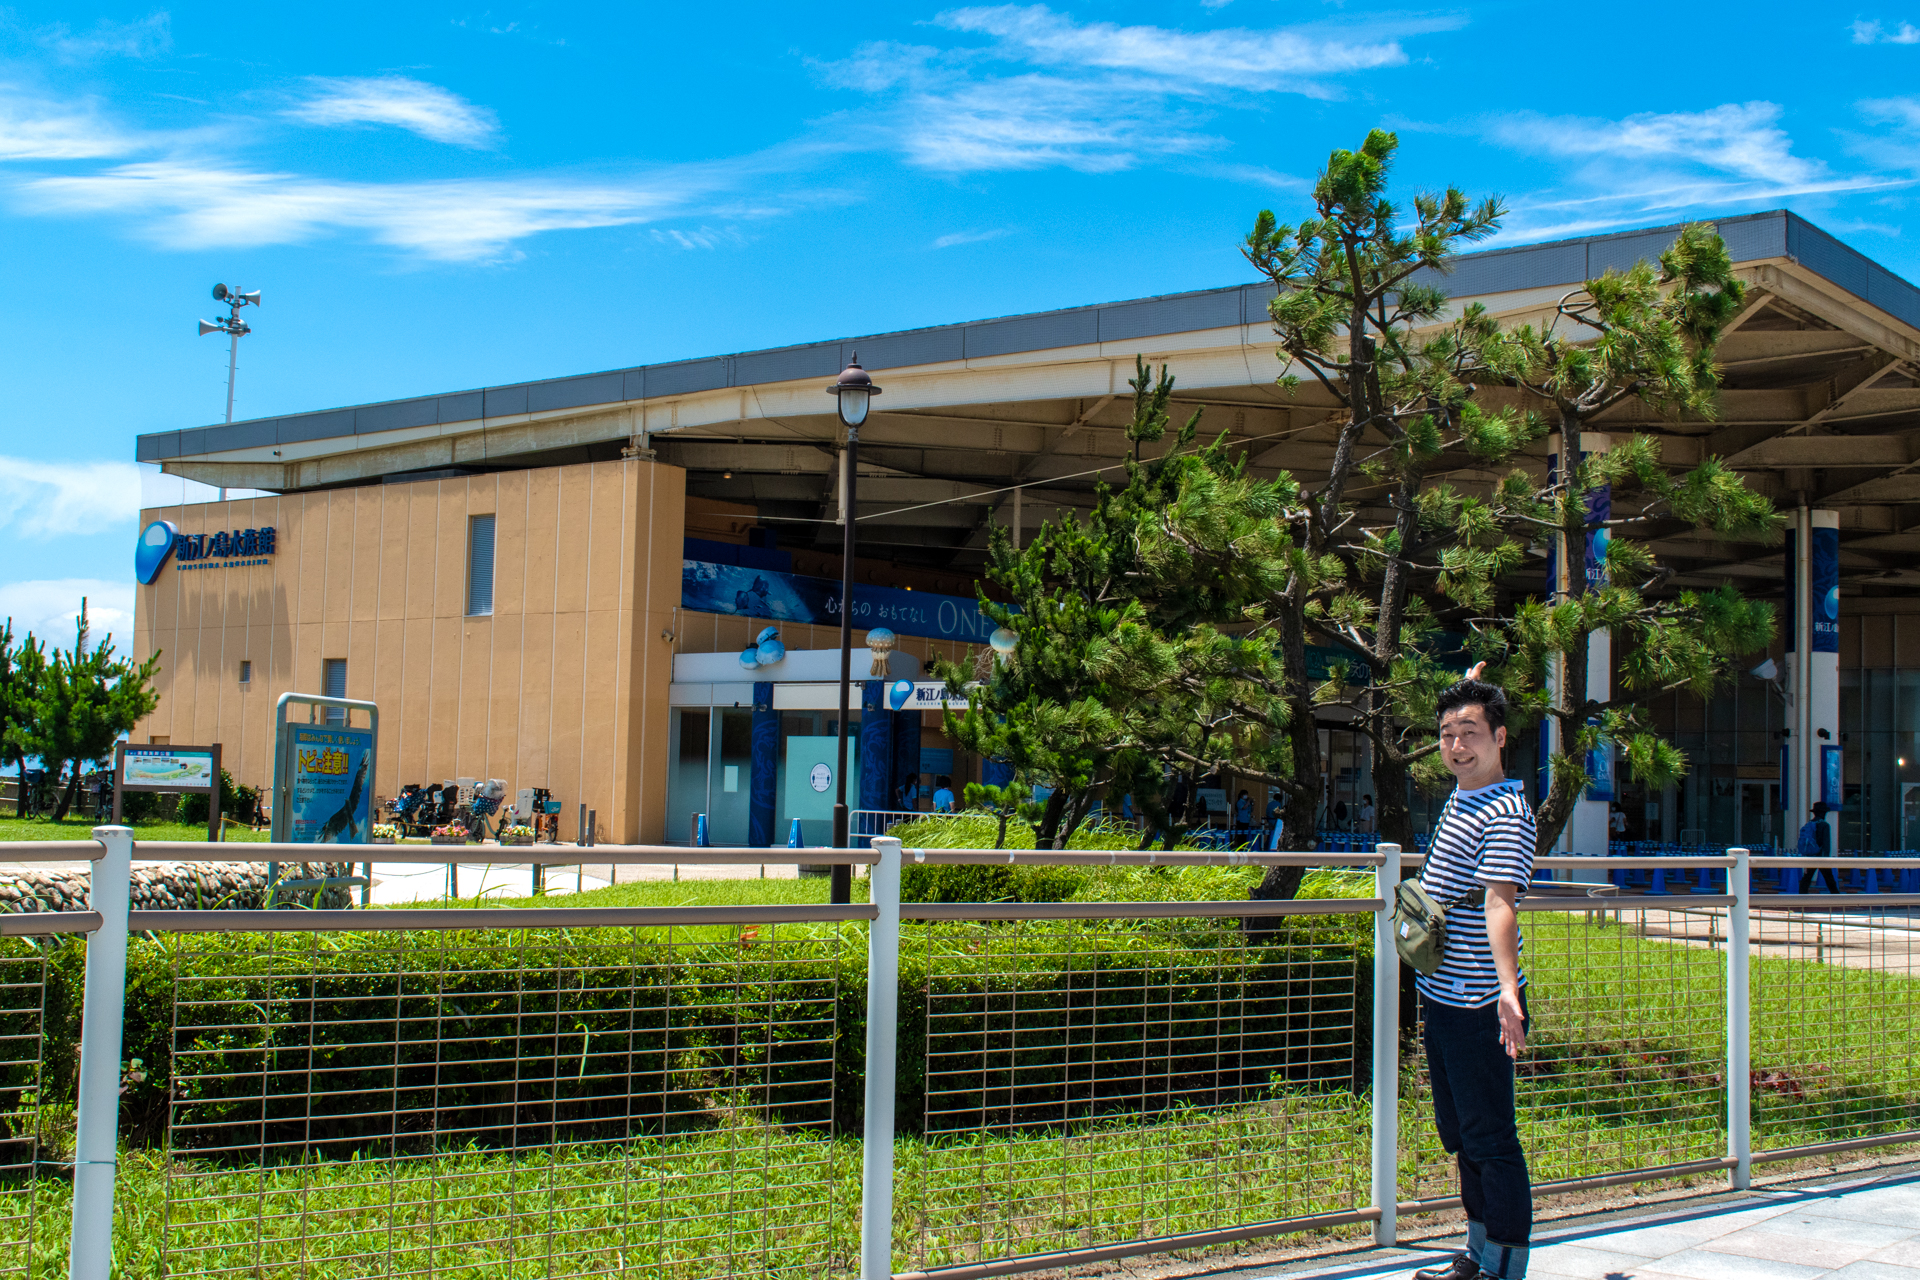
x=331 y=800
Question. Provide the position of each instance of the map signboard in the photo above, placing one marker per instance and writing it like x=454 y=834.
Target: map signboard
x=161 y=766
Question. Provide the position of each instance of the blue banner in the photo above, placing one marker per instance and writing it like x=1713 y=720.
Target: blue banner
x=749 y=592
x=1832 y=776
x=1826 y=590
x=331 y=800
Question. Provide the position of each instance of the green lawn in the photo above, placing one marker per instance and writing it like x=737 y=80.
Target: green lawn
x=78 y=828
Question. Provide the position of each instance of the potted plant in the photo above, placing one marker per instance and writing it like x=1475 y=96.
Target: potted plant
x=452 y=833
x=385 y=833
x=516 y=834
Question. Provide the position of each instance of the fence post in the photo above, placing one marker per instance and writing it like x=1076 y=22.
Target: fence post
x=97 y=1143
x=1739 y=1025
x=883 y=1011
x=1386 y=1051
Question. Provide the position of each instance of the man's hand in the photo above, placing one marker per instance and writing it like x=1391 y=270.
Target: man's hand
x=1503 y=935
x=1513 y=1024
x=1473 y=672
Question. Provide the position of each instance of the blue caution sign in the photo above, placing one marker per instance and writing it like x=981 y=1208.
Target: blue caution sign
x=331 y=800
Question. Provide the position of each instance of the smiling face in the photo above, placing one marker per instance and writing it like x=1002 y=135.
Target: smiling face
x=1470 y=747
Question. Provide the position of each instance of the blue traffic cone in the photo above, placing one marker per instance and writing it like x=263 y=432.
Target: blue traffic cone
x=793 y=836
x=700 y=837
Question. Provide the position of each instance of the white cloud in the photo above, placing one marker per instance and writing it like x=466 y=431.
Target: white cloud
x=1736 y=138
x=47 y=607
x=1037 y=121
x=34 y=129
x=1095 y=96
x=1902 y=113
x=1871 y=32
x=150 y=36
x=188 y=206
x=413 y=105
x=971 y=237
x=1283 y=60
x=53 y=499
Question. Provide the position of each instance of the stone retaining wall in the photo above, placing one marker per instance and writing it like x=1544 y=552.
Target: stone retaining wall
x=174 y=886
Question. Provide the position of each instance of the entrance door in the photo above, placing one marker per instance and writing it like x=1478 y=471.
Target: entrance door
x=1757 y=819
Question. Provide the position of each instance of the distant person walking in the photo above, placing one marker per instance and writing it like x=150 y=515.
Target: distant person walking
x=1816 y=842
x=1366 y=812
x=943 y=794
x=1243 y=810
x=1276 y=822
x=1474 y=1008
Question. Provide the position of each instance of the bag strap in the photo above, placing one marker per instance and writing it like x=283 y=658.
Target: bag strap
x=1477 y=895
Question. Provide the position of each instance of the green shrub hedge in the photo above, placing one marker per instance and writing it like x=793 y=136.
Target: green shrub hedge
x=383 y=1043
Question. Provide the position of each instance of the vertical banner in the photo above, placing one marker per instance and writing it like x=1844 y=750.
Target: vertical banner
x=331 y=798
x=1824 y=554
x=1600 y=772
x=1832 y=777
x=1599 y=511
x=764 y=769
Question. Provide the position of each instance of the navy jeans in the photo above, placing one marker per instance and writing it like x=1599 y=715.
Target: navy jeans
x=1473 y=1109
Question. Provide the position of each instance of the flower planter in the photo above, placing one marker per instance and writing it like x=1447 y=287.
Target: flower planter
x=517 y=841
x=449 y=839
x=381 y=840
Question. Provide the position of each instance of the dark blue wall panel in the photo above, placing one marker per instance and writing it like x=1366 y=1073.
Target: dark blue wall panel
x=462 y=406
x=1816 y=249
x=919 y=346
x=159 y=445
x=1033 y=333
x=1180 y=313
x=1893 y=295
x=396 y=414
x=257 y=434
x=315 y=426
x=1749 y=239
x=686 y=377
x=821 y=360
x=504 y=402
x=571 y=393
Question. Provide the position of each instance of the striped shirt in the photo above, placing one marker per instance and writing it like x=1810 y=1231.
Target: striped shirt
x=1483 y=837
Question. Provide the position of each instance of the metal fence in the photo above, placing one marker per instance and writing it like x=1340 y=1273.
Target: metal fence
x=703 y=1091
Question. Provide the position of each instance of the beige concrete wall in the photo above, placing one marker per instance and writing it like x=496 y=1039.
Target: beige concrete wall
x=564 y=686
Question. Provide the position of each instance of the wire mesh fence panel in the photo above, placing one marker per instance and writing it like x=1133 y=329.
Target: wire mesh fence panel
x=36 y=1118
x=1624 y=1064
x=504 y=1103
x=1087 y=1083
x=1836 y=1023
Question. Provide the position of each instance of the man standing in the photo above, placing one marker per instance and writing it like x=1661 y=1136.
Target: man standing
x=1815 y=842
x=1474 y=1008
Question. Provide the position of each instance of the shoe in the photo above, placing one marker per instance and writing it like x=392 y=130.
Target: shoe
x=1462 y=1267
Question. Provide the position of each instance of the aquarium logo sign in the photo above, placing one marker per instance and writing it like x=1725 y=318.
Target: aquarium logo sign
x=223 y=550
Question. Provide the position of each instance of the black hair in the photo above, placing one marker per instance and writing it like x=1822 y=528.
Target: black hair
x=1475 y=693
x=1820 y=809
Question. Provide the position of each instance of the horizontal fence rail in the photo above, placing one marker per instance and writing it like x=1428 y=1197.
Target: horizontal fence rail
x=892 y=1088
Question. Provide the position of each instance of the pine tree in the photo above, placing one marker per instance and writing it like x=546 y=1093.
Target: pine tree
x=1648 y=334
x=86 y=699
x=22 y=666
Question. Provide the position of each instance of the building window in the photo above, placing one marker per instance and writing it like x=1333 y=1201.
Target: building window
x=335 y=686
x=479 y=566
x=246 y=672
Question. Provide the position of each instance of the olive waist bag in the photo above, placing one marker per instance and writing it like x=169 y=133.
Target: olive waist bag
x=1419 y=923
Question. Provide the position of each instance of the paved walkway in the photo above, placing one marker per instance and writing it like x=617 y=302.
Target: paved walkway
x=1857 y=1229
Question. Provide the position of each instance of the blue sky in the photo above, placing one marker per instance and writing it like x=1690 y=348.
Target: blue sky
x=434 y=197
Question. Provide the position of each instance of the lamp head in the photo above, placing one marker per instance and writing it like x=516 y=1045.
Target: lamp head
x=1768 y=670
x=853 y=391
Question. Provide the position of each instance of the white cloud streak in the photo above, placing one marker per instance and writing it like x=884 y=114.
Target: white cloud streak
x=414 y=105
x=1872 y=32
x=1737 y=138
x=146 y=38
x=1262 y=61
x=55 y=499
x=34 y=129
x=971 y=237
x=183 y=205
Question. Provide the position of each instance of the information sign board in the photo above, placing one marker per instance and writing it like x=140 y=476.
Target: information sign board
x=330 y=796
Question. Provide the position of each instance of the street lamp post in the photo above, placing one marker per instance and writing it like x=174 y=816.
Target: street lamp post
x=853 y=392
